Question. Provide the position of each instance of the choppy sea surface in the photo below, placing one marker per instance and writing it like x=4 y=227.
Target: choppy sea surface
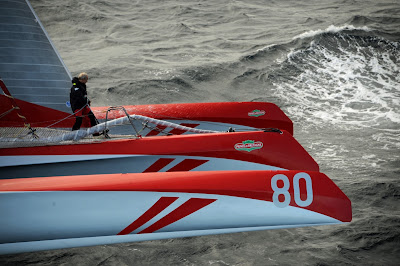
x=333 y=66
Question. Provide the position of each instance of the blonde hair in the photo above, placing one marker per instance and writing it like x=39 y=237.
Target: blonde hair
x=83 y=76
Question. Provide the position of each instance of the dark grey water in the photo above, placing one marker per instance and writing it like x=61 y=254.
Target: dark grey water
x=332 y=66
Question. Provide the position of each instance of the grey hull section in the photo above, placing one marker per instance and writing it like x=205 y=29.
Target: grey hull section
x=125 y=164
x=40 y=220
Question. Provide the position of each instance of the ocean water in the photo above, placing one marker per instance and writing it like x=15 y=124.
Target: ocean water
x=333 y=66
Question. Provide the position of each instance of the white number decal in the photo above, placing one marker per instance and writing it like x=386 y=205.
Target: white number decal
x=280 y=191
x=296 y=188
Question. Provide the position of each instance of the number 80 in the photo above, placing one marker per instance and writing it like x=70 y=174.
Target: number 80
x=296 y=188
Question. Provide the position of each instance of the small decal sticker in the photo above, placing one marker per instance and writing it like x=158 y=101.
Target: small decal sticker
x=249 y=145
x=68 y=104
x=256 y=113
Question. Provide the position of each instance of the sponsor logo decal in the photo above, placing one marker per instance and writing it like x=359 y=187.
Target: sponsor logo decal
x=256 y=113
x=249 y=145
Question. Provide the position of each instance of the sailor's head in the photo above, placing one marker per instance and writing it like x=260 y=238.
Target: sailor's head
x=83 y=77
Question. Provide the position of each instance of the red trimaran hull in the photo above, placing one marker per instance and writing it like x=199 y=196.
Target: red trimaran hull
x=133 y=189
x=226 y=114
x=71 y=211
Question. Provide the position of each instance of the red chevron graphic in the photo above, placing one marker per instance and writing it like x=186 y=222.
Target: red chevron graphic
x=155 y=132
x=187 y=208
x=158 y=165
x=187 y=165
x=158 y=207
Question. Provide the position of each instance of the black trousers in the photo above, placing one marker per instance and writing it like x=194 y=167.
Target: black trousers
x=78 y=121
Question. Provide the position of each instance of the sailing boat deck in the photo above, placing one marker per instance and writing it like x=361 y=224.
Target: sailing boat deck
x=15 y=137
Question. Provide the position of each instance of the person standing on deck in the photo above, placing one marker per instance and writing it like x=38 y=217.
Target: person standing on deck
x=79 y=101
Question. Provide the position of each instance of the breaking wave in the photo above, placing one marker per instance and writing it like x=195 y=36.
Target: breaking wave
x=344 y=76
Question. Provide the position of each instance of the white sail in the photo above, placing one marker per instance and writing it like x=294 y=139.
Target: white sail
x=30 y=66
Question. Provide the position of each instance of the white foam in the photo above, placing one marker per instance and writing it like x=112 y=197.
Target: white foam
x=354 y=85
x=330 y=29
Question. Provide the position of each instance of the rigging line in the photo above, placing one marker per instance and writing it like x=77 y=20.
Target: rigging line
x=14 y=104
x=150 y=114
x=67 y=117
x=9 y=111
x=145 y=125
x=126 y=113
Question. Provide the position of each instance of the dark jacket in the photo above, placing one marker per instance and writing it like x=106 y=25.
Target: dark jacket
x=78 y=95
